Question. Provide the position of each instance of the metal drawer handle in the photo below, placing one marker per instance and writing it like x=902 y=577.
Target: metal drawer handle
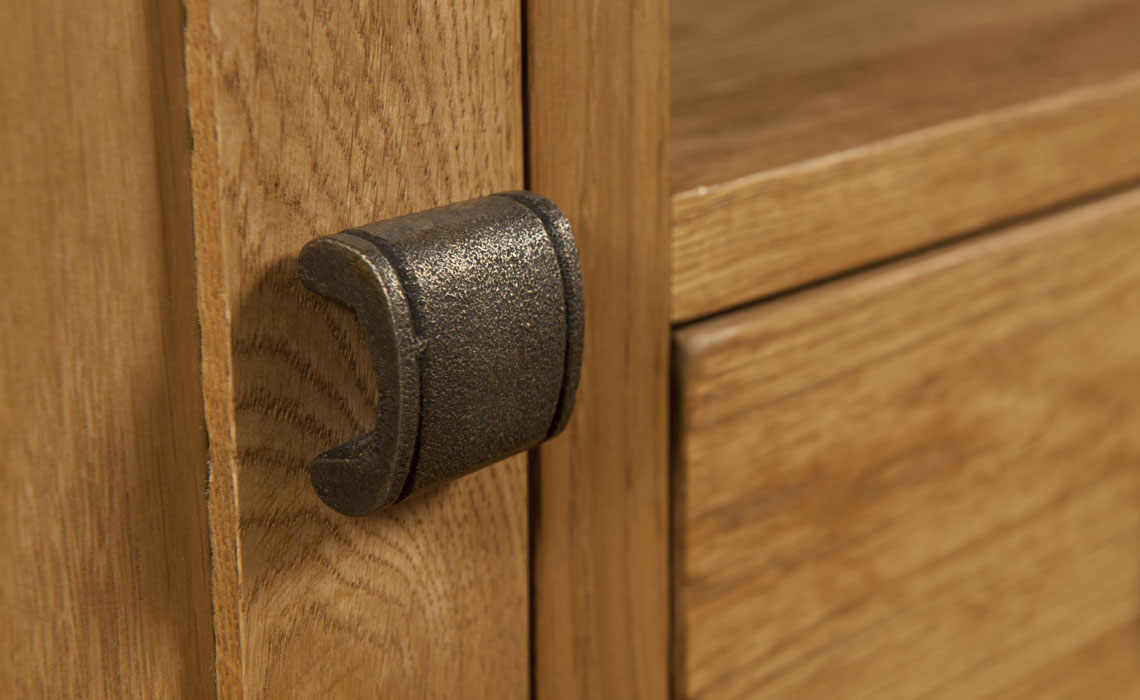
x=474 y=314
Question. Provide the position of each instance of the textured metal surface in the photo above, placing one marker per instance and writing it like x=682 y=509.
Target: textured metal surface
x=474 y=314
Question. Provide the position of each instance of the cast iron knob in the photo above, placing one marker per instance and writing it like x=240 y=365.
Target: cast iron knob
x=474 y=316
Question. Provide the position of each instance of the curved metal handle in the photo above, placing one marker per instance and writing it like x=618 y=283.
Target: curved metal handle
x=474 y=314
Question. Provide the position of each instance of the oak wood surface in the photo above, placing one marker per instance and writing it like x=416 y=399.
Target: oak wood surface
x=814 y=137
x=920 y=481
x=306 y=120
x=597 y=126
x=105 y=586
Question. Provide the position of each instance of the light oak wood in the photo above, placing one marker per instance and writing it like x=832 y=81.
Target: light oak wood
x=920 y=481
x=306 y=120
x=597 y=115
x=105 y=586
x=814 y=137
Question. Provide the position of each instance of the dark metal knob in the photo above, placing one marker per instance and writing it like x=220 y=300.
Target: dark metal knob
x=474 y=315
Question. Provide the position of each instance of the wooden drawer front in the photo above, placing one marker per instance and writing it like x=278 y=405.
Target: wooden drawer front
x=923 y=481
x=812 y=138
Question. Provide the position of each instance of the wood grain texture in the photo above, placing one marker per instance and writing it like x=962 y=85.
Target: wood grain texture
x=597 y=115
x=920 y=481
x=309 y=119
x=105 y=589
x=814 y=138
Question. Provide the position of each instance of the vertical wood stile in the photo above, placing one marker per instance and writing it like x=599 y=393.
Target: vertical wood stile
x=597 y=123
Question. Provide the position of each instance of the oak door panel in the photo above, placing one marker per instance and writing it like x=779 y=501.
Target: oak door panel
x=308 y=119
x=923 y=480
x=105 y=586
